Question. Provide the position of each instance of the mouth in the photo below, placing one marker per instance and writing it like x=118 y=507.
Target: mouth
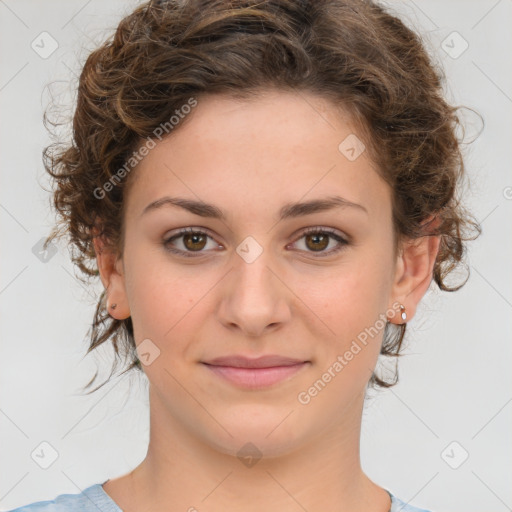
x=266 y=361
x=257 y=373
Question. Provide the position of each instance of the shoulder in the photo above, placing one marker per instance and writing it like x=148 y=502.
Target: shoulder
x=397 y=505
x=91 y=499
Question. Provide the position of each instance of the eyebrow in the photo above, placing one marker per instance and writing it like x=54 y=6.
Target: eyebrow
x=289 y=210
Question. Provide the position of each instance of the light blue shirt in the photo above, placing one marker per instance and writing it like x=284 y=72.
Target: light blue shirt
x=95 y=499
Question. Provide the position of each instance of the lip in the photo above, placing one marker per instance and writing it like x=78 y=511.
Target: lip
x=257 y=373
x=267 y=361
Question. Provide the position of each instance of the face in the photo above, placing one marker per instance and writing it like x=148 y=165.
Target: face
x=311 y=284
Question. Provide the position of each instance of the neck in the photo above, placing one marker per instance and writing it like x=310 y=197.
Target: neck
x=183 y=472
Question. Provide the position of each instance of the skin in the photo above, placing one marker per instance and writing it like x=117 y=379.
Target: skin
x=249 y=158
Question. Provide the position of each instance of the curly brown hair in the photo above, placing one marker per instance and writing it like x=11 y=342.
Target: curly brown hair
x=354 y=53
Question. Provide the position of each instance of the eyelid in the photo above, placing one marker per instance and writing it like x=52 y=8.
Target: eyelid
x=322 y=229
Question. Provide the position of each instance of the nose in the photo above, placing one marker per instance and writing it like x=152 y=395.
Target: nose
x=255 y=298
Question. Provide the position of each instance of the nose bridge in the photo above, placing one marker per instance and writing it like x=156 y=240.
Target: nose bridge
x=255 y=299
x=253 y=279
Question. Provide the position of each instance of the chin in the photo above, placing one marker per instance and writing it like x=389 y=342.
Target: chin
x=257 y=435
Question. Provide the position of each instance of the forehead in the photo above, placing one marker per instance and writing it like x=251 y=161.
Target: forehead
x=276 y=147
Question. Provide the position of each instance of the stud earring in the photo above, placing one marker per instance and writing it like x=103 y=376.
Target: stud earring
x=113 y=306
x=403 y=314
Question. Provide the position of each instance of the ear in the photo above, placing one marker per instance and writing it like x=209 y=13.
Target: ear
x=112 y=276
x=414 y=270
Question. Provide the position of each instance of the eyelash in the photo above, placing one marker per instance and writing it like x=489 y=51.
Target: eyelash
x=314 y=230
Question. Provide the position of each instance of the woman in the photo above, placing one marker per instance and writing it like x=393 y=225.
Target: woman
x=267 y=189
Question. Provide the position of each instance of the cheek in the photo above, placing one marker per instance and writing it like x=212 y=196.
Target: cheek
x=161 y=307
x=351 y=295
x=160 y=295
x=350 y=303
x=347 y=352
x=164 y=313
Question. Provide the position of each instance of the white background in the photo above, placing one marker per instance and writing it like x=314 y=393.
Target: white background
x=454 y=382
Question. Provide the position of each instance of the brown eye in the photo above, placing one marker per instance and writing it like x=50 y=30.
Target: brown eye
x=194 y=241
x=191 y=241
x=316 y=240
